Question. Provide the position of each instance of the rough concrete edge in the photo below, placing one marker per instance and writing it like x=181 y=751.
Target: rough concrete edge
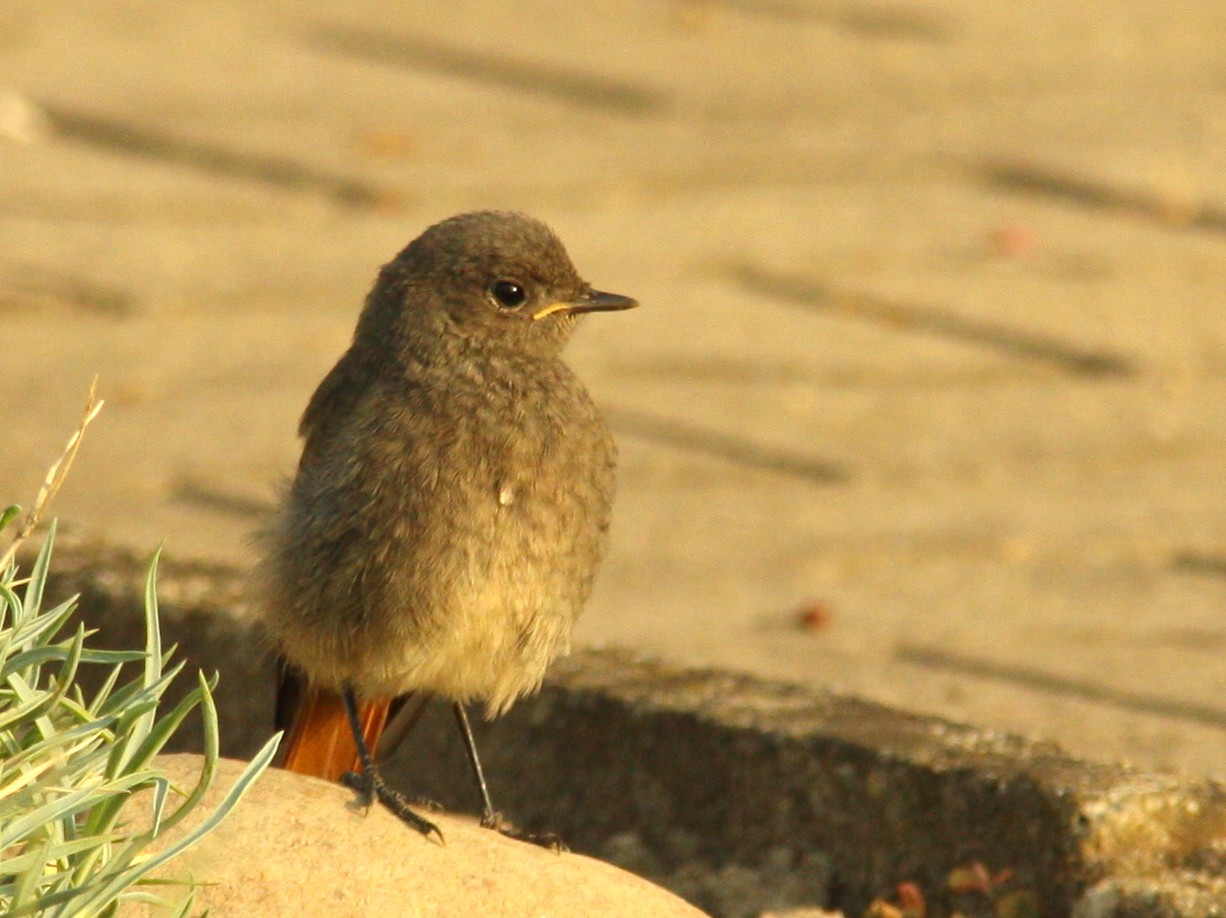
x=892 y=796
x=743 y=794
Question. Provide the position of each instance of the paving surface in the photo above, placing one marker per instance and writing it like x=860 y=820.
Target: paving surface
x=932 y=357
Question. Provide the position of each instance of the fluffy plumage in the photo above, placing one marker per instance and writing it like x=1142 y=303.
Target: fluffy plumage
x=452 y=501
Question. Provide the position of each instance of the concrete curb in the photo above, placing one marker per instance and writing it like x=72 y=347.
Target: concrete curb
x=743 y=795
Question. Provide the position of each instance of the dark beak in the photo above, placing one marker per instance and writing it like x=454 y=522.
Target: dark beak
x=592 y=301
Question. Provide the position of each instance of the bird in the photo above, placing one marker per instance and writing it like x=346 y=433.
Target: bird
x=451 y=505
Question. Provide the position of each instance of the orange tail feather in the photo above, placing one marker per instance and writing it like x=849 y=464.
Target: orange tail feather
x=320 y=742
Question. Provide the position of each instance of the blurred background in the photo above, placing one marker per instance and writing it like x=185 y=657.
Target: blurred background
x=925 y=402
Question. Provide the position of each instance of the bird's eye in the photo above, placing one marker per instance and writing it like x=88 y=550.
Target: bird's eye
x=509 y=294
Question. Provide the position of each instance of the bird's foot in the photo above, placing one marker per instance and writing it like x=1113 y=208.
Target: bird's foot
x=370 y=786
x=502 y=826
x=425 y=803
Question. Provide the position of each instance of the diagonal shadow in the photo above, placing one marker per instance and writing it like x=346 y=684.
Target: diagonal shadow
x=134 y=140
x=204 y=496
x=739 y=450
x=20 y=281
x=869 y=20
x=818 y=296
x=1039 y=680
x=492 y=69
x=1194 y=562
x=1032 y=179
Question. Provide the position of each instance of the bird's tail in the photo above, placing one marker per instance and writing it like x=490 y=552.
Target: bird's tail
x=320 y=742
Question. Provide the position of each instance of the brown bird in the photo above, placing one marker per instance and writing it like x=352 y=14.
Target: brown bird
x=451 y=504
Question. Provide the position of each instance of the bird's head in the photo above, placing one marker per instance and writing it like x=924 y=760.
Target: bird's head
x=491 y=278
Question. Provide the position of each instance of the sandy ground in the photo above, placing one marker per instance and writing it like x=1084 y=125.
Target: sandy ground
x=932 y=352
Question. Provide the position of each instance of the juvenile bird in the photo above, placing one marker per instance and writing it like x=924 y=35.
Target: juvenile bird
x=451 y=504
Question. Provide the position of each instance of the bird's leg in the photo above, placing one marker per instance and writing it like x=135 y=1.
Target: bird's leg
x=370 y=785
x=491 y=818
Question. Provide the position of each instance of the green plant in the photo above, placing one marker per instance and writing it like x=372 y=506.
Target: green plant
x=70 y=765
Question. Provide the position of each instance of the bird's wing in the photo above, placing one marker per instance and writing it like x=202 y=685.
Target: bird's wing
x=335 y=396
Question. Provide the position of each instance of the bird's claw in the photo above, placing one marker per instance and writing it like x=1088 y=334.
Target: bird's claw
x=370 y=786
x=502 y=826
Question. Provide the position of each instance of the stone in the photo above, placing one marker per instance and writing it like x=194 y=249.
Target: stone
x=299 y=846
